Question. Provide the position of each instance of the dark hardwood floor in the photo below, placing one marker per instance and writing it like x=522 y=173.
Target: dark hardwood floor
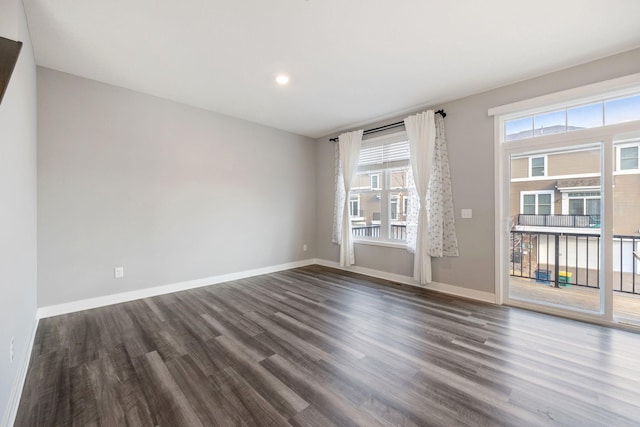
x=319 y=347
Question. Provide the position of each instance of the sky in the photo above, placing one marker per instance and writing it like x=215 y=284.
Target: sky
x=610 y=112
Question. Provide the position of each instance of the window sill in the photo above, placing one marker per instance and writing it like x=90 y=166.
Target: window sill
x=627 y=172
x=384 y=243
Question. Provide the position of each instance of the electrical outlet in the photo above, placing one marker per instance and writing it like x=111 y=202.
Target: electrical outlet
x=11 y=350
x=466 y=213
x=304 y=248
x=118 y=272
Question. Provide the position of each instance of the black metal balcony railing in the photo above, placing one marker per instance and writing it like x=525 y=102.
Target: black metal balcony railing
x=398 y=231
x=570 y=221
x=561 y=259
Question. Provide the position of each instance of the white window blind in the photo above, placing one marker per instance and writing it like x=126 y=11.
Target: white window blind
x=380 y=154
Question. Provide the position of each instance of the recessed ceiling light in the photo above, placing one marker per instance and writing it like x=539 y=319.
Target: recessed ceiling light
x=282 y=79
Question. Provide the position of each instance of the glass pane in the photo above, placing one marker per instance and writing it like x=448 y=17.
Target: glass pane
x=375 y=181
x=554 y=253
x=626 y=240
x=622 y=110
x=398 y=216
x=576 y=206
x=628 y=158
x=398 y=178
x=548 y=123
x=544 y=204
x=518 y=128
x=593 y=206
x=628 y=164
x=528 y=204
x=537 y=166
x=367 y=223
x=361 y=181
x=584 y=117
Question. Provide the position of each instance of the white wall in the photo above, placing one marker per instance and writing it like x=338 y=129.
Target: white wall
x=170 y=192
x=17 y=208
x=471 y=154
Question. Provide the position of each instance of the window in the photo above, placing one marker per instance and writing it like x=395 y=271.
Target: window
x=394 y=207
x=384 y=162
x=607 y=111
x=536 y=202
x=584 y=203
x=537 y=166
x=354 y=206
x=375 y=181
x=601 y=127
x=627 y=158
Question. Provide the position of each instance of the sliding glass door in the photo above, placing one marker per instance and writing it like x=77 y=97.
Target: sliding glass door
x=555 y=234
x=568 y=202
x=626 y=228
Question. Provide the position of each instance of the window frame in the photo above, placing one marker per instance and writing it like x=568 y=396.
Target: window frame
x=618 y=148
x=391 y=211
x=355 y=196
x=377 y=177
x=385 y=191
x=528 y=112
x=544 y=166
x=604 y=137
x=583 y=199
x=537 y=193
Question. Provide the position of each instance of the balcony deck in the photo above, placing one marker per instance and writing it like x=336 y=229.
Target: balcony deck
x=625 y=305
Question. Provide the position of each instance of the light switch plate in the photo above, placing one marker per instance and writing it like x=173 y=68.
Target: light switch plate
x=466 y=213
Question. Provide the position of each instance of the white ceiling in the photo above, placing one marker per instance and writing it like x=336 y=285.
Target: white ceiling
x=350 y=61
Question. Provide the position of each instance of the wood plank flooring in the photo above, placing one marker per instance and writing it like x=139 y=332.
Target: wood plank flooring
x=320 y=347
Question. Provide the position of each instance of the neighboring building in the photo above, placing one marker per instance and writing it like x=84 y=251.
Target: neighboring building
x=562 y=190
x=556 y=203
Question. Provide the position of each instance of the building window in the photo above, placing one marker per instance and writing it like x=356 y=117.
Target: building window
x=536 y=202
x=627 y=158
x=375 y=181
x=584 y=203
x=394 y=208
x=354 y=206
x=537 y=166
x=384 y=162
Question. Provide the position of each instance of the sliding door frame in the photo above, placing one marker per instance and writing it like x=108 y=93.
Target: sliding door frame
x=603 y=137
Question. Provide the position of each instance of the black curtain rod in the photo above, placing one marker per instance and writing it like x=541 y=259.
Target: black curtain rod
x=389 y=126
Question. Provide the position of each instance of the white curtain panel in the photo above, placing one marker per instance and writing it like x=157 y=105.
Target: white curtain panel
x=348 y=154
x=340 y=196
x=422 y=134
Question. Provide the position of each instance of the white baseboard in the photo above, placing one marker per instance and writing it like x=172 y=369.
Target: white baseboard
x=70 y=307
x=434 y=286
x=73 y=306
x=18 y=382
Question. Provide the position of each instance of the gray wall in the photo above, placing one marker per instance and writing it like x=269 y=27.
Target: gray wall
x=17 y=204
x=170 y=192
x=471 y=152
